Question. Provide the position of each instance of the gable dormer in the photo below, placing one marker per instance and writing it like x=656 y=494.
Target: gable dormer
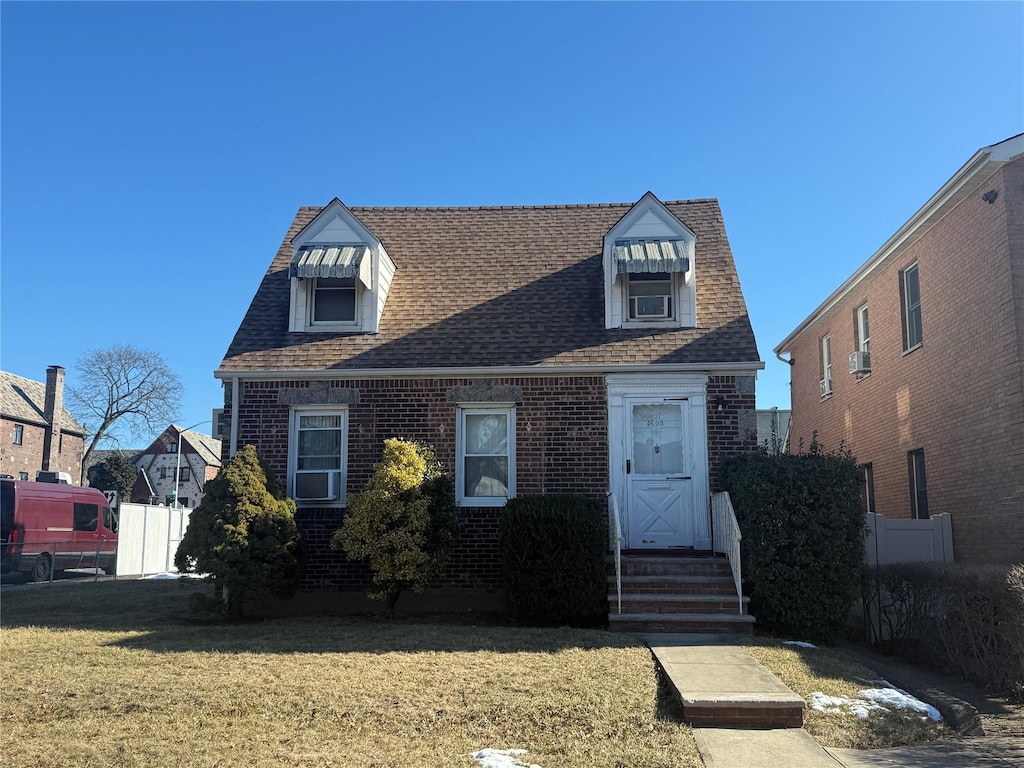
x=340 y=275
x=649 y=269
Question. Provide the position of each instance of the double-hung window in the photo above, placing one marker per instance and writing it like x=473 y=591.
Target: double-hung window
x=485 y=444
x=650 y=296
x=825 y=369
x=19 y=434
x=910 y=306
x=317 y=449
x=333 y=301
x=861 y=329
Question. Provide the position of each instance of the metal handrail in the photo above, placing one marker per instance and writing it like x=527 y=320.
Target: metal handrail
x=615 y=540
x=727 y=537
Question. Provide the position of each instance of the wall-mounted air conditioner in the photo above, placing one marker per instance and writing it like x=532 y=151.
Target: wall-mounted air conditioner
x=317 y=486
x=860 y=362
x=650 y=306
x=825 y=385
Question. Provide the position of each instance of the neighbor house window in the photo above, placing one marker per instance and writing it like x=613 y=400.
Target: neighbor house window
x=918 y=486
x=485 y=443
x=23 y=475
x=869 y=488
x=650 y=296
x=825 y=368
x=19 y=434
x=185 y=475
x=172 y=448
x=861 y=332
x=334 y=300
x=317 y=448
x=910 y=306
x=163 y=473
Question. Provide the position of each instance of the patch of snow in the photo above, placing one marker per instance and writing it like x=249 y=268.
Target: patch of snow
x=501 y=758
x=171 y=575
x=900 y=699
x=801 y=643
x=871 y=700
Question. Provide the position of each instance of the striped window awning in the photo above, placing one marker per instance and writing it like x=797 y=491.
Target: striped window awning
x=650 y=255
x=332 y=261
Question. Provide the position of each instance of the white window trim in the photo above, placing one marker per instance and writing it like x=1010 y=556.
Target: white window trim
x=293 y=452
x=479 y=409
x=905 y=307
x=825 y=347
x=332 y=325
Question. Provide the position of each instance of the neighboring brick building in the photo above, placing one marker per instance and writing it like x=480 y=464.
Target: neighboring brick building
x=38 y=433
x=936 y=411
x=197 y=462
x=539 y=350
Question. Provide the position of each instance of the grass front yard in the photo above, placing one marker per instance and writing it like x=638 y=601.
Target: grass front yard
x=120 y=674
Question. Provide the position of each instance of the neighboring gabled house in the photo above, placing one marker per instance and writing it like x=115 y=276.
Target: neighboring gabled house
x=38 y=433
x=929 y=396
x=159 y=465
x=540 y=350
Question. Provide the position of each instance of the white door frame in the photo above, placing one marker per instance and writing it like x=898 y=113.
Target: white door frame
x=623 y=389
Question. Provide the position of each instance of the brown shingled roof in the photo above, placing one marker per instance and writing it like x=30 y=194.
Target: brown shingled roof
x=502 y=286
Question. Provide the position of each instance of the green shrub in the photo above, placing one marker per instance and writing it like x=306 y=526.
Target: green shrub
x=404 y=523
x=965 y=619
x=803 y=528
x=553 y=560
x=244 y=536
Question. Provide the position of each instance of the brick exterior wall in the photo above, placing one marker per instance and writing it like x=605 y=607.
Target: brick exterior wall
x=959 y=396
x=561 y=447
x=28 y=457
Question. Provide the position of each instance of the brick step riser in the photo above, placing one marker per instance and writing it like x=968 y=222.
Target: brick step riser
x=682 y=625
x=675 y=570
x=744 y=717
x=730 y=607
x=676 y=589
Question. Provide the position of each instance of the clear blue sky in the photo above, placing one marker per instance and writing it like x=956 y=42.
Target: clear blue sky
x=154 y=154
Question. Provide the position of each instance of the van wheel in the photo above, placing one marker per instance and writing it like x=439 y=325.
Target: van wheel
x=40 y=569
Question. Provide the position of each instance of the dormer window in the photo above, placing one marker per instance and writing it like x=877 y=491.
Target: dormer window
x=649 y=274
x=334 y=301
x=650 y=296
x=340 y=275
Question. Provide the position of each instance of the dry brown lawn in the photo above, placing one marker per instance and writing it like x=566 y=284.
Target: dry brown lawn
x=829 y=671
x=119 y=674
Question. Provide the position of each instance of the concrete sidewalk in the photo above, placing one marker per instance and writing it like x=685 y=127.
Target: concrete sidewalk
x=720 y=684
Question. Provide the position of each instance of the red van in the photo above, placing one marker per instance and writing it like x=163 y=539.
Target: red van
x=48 y=527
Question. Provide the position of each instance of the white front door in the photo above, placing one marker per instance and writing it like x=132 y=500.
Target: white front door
x=659 y=467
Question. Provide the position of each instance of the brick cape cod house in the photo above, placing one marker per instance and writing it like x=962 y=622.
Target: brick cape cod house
x=929 y=396
x=551 y=349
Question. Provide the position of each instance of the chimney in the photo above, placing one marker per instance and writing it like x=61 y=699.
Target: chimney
x=53 y=412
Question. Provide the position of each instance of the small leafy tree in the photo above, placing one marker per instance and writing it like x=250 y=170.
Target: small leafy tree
x=243 y=535
x=404 y=523
x=115 y=473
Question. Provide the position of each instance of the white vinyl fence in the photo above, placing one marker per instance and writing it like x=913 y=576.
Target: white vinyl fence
x=148 y=537
x=903 y=540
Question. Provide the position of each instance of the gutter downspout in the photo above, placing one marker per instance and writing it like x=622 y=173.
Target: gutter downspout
x=234 y=416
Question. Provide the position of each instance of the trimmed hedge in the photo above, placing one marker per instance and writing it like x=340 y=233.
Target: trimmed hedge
x=965 y=619
x=803 y=527
x=553 y=560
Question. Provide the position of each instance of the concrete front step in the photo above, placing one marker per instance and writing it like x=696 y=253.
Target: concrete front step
x=703 y=623
x=722 y=686
x=666 y=603
x=675 y=585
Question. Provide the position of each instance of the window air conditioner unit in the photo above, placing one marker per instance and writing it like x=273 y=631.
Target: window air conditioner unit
x=316 y=486
x=650 y=306
x=860 y=362
x=826 y=387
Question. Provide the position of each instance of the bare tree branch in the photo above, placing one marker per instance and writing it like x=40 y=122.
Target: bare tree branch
x=126 y=386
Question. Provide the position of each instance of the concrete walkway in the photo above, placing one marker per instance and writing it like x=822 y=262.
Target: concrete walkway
x=716 y=679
